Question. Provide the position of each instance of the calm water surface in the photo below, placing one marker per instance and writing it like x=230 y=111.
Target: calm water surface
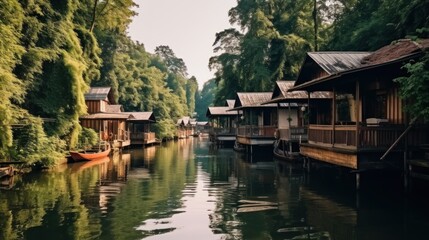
x=190 y=190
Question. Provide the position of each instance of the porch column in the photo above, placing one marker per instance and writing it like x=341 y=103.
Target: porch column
x=357 y=103
x=334 y=114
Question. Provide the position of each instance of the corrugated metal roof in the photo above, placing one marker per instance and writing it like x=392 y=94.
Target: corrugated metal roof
x=142 y=116
x=220 y=111
x=102 y=116
x=281 y=94
x=97 y=93
x=333 y=62
x=391 y=54
x=253 y=99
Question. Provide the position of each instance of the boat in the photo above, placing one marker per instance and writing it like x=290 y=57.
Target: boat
x=79 y=166
x=286 y=150
x=6 y=171
x=89 y=155
x=238 y=147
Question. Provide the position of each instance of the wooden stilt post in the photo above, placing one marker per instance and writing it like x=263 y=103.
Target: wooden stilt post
x=308 y=165
x=357 y=181
x=405 y=169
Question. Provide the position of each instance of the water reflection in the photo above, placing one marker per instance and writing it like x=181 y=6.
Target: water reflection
x=188 y=189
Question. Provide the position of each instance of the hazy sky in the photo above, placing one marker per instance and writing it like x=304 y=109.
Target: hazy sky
x=188 y=27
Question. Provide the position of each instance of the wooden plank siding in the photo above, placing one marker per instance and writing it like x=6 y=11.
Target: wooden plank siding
x=395 y=113
x=377 y=137
x=96 y=106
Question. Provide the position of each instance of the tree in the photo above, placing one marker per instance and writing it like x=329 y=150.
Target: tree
x=414 y=89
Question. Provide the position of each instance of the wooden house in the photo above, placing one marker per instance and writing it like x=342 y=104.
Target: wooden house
x=105 y=117
x=139 y=125
x=366 y=115
x=223 y=123
x=184 y=127
x=292 y=123
x=113 y=124
x=258 y=121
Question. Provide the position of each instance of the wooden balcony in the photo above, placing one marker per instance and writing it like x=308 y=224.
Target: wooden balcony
x=142 y=138
x=256 y=135
x=223 y=131
x=298 y=134
x=365 y=137
x=256 y=131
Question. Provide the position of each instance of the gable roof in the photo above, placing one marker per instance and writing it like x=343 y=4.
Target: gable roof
x=107 y=116
x=186 y=120
x=395 y=53
x=99 y=93
x=329 y=62
x=219 y=111
x=141 y=116
x=230 y=103
x=252 y=100
x=396 y=50
x=281 y=94
x=114 y=108
x=333 y=62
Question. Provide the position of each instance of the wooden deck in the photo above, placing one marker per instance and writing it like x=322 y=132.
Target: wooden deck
x=256 y=135
x=359 y=147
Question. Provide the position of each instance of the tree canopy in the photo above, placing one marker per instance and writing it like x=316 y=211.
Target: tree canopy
x=53 y=51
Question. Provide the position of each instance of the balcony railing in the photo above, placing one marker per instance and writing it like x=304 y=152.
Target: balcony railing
x=223 y=130
x=368 y=136
x=256 y=131
x=293 y=133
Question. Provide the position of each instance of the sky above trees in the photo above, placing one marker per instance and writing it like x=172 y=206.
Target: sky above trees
x=188 y=27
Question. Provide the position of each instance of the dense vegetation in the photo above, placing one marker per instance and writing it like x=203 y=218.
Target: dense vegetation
x=271 y=37
x=53 y=51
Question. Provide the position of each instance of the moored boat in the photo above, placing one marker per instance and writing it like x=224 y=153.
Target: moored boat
x=6 y=171
x=91 y=154
x=286 y=150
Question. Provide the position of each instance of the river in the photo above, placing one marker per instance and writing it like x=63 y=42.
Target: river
x=188 y=189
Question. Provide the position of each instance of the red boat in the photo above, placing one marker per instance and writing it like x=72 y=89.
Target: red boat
x=90 y=155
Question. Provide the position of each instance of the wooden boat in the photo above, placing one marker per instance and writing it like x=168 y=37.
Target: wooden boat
x=6 y=171
x=285 y=150
x=77 y=167
x=91 y=154
x=239 y=147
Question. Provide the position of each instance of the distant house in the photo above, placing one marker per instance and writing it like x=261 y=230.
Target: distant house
x=105 y=117
x=258 y=121
x=112 y=124
x=139 y=126
x=223 y=123
x=292 y=123
x=366 y=114
x=184 y=127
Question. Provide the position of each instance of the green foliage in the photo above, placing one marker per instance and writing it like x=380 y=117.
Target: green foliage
x=274 y=37
x=369 y=24
x=32 y=145
x=204 y=99
x=415 y=88
x=87 y=138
